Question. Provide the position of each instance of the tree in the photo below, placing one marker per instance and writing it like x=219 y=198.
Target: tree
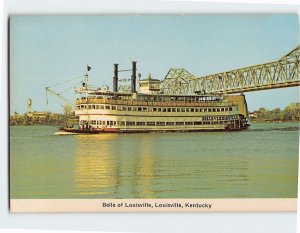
x=68 y=109
x=292 y=112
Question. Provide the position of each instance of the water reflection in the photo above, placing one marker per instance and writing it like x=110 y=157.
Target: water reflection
x=111 y=165
x=146 y=174
x=94 y=166
x=144 y=166
x=209 y=165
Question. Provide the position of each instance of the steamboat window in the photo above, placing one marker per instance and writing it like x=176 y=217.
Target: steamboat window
x=178 y=110
x=139 y=109
x=170 y=123
x=122 y=122
x=107 y=107
x=189 y=123
x=154 y=109
x=113 y=107
x=197 y=123
x=213 y=109
x=160 y=123
x=150 y=109
x=226 y=109
x=197 y=109
x=230 y=109
x=179 y=123
x=101 y=106
x=89 y=106
x=97 y=106
x=119 y=108
x=144 y=110
x=173 y=109
x=159 y=109
x=164 y=110
x=150 y=123
x=169 y=109
x=134 y=109
x=183 y=109
x=124 y=108
x=192 y=110
x=209 y=109
x=187 y=109
x=93 y=106
x=222 y=109
x=129 y=108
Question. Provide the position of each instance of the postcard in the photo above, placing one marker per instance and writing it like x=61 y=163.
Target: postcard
x=154 y=113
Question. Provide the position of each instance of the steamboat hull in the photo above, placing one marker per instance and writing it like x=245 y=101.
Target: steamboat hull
x=66 y=131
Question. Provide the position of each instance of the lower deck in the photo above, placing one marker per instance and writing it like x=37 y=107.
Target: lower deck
x=113 y=124
x=148 y=129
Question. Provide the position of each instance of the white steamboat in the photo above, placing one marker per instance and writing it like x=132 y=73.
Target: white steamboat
x=149 y=110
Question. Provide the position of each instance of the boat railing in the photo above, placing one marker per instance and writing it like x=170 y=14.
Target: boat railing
x=154 y=103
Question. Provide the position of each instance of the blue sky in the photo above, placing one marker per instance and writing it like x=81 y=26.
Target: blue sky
x=45 y=50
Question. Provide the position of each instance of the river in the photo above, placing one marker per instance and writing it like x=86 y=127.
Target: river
x=261 y=162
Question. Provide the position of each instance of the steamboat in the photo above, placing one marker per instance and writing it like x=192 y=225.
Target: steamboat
x=150 y=110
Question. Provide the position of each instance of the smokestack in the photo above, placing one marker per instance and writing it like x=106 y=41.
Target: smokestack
x=115 y=85
x=133 y=77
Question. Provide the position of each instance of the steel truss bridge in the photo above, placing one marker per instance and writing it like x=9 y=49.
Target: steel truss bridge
x=284 y=72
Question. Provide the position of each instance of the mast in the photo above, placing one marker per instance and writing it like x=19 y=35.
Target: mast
x=86 y=95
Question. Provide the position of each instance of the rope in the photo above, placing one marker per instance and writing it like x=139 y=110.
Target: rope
x=81 y=76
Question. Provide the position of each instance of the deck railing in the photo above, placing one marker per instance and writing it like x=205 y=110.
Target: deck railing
x=154 y=103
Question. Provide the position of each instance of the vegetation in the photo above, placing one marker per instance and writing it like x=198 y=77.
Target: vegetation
x=48 y=119
x=45 y=118
x=289 y=113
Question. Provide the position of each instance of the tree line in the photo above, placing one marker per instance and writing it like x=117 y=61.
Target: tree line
x=289 y=113
x=45 y=118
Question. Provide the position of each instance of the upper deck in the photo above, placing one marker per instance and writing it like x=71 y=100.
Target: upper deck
x=141 y=99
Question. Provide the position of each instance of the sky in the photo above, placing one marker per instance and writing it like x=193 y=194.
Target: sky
x=46 y=50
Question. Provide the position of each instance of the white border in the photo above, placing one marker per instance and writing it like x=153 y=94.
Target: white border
x=246 y=222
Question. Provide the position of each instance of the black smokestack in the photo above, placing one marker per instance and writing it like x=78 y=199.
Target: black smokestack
x=115 y=88
x=133 y=77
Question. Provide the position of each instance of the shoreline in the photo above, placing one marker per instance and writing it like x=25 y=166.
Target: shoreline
x=251 y=121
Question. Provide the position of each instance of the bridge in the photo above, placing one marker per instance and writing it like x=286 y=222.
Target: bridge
x=284 y=72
